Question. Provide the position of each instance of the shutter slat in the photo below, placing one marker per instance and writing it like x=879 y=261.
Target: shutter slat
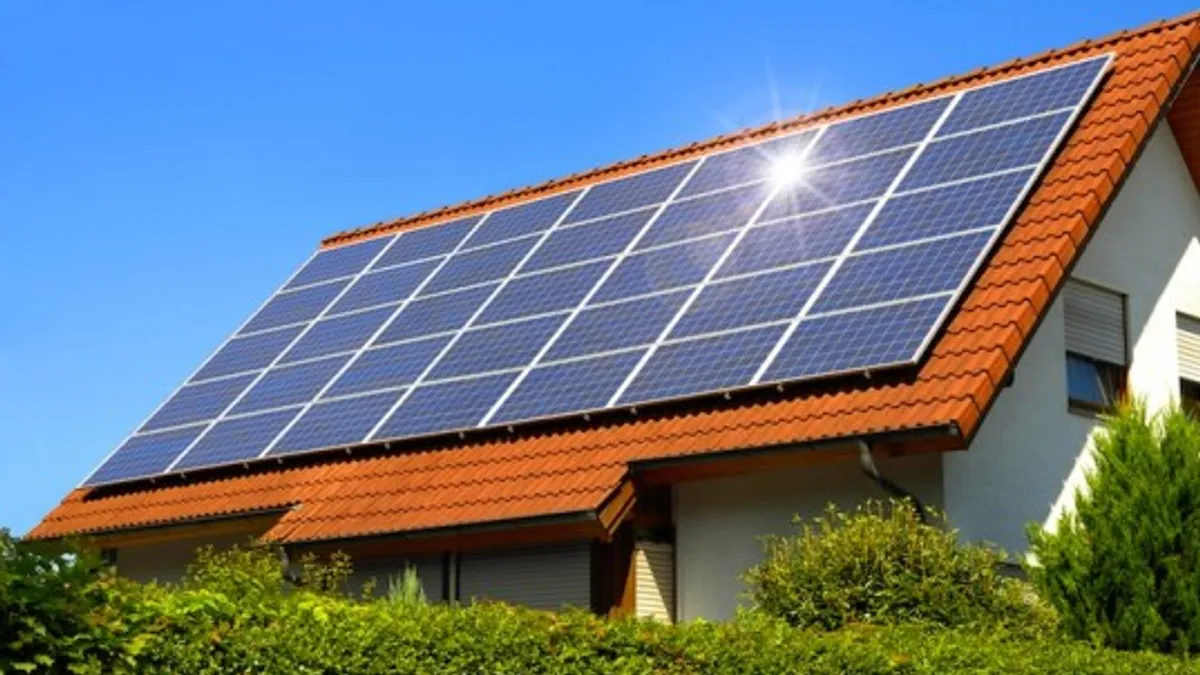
x=1095 y=322
x=541 y=578
x=655 y=581
x=1188 y=339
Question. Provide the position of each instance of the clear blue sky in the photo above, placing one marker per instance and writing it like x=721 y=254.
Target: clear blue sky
x=163 y=167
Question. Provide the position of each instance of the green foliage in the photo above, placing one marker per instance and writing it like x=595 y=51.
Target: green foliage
x=406 y=589
x=60 y=611
x=881 y=565
x=1123 y=568
x=240 y=612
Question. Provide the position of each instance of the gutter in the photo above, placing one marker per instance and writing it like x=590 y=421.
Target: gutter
x=866 y=462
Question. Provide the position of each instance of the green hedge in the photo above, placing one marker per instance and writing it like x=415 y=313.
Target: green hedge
x=236 y=614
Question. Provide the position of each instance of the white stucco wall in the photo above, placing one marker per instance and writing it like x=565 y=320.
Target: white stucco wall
x=1030 y=454
x=718 y=522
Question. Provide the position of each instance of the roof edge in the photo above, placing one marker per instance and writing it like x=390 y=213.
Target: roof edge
x=740 y=137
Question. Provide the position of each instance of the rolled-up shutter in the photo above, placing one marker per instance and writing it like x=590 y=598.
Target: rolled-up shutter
x=655 y=568
x=383 y=570
x=1188 y=339
x=541 y=578
x=1095 y=322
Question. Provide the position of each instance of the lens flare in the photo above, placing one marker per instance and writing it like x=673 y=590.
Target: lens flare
x=787 y=170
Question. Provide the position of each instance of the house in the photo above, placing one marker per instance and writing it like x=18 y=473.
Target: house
x=1091 y=290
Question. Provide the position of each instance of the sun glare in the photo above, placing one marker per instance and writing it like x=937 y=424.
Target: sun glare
x=787 y=170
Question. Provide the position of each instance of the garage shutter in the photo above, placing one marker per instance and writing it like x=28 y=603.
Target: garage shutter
x=1188 y=339
x=655 y=568
x=542 y=578
x=381 y=570
x=1095 y=322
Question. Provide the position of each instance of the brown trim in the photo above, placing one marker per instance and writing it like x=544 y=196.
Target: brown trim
x=253 y=526
x=939 y=438
x=614 y=574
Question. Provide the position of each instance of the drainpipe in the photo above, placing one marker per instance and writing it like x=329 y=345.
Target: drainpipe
x=867 y=462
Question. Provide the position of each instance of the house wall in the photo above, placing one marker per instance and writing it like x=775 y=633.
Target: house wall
x=165 y=562
x=1029 y=455
x=718 y=522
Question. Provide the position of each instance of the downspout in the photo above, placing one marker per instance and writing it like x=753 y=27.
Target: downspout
x=867 y=463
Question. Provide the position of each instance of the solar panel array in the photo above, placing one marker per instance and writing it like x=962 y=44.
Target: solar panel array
x=697 y=277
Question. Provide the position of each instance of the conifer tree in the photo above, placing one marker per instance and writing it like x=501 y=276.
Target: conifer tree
x=1123 y=568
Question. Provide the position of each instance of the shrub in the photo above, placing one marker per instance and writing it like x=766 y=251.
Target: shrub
x=881 y=565
x=60 y=611
x=1123 y=568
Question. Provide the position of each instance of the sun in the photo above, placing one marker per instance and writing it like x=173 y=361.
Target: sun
x=787 y=170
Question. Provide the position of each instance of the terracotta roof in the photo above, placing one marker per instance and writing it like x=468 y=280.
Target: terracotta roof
x=580 y=469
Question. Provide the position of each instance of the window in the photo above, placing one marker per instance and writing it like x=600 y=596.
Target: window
x=1096 y=350
x=1188 y=344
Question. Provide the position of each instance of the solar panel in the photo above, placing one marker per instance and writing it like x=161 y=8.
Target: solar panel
x=694 y=278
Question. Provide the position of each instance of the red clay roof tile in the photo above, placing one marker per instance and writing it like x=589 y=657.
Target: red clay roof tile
x=574 y=470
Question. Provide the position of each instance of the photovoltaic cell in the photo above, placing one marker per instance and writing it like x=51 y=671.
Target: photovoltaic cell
x=393 y=285
x=448 y=406
x=294 y=306
x=616 y=326
x=339 y=423
x=237 y=439
x=521 y=220
x=508 y=345
x=586 y=384
x=196 y=402
x=787 y=302
x=663 y=269
x=837 y=184
x=745 y=165
x=427 y=242
x=626 y=194
x=880 y=131
x=437 y=314
x=542 y=293
x=388 y=367
x=748 y=301
x=1050 y=90
x=252 y=352
x=851 y=341
x=343 y=333
x=705 y=364
x=339 y=262
x=720 y=212
x=146 y=455
x=795 y=240
x=594 y=239
x=480 y=265
x=289 y=385
x=997 y=149
x=939 y=211
x=898 y=273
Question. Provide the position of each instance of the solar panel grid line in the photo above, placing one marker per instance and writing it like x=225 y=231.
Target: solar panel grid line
x=304 y=287
x=478 y=312
x=200 y=368
x=691 y=299
x=1016 y=204
x=416 y=292
x=586 y=300
x=1003 y=123
x=878 y=305
x=862 y=228
x=278 y=357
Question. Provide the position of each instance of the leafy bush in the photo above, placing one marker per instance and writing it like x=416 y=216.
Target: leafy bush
x=1123 y=568
x=59 y=610
x=881 y=565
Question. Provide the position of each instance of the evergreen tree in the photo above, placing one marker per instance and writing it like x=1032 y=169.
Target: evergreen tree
x=1123 y=568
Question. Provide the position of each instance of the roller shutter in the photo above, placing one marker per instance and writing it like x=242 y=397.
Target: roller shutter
x=542 y=578
x=1188 y=339
x=382 y=570
x=1095 y=322
x=655 y=568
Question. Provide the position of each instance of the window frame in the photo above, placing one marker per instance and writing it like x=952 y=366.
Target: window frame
x=1119 y=373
